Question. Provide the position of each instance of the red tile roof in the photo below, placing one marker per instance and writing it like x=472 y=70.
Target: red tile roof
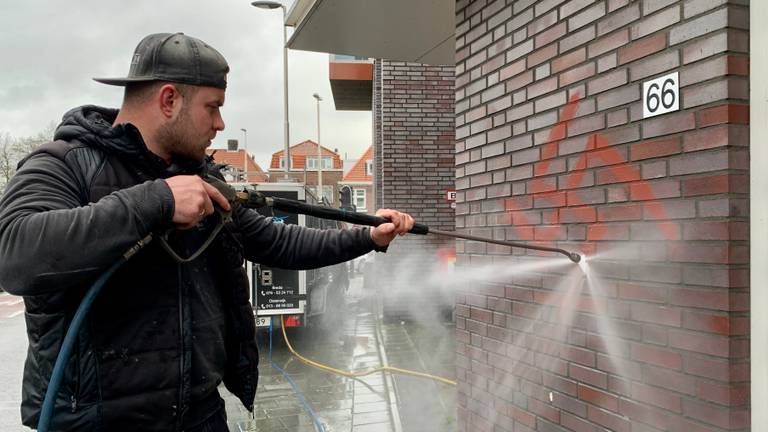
x=358 y=173
x=236 y=159
x=299 y=153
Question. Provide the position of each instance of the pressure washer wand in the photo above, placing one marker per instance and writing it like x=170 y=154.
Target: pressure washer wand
x=256 y=200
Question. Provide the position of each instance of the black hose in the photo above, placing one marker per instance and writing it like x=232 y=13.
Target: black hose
x=49 y=403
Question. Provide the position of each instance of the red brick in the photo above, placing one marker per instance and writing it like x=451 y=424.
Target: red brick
x=633 y=291
x=577 y=74
x=669 y=210
x=618 y=174
x=707 y=230
x=578 y=215
x=668 y=124
x=569 y=60
x=654 y=190
x=550 y=233
x=656 y=22
x=717 y=416
x=707 y=322
x=612 y=421
x=610 y=156
x=540 y=56
x=586 y=197
x=700 y=162
x=656 y=397
x=598 y=398
x=642 y=48
x=699 y=298
x=551 y=35
x=614 y=232
x=657 y=356
x=607 y=81
x=608 y=43
x=620 y=213
x=730 y=113
x=656 y=231
x=587 y=375
x=699 y=342
x=656 y=417
x=655 y=148
x=703 y=139
x=549 y=200
x=656 y=314
x=576 y=180
x=737 y=395
x=679 y=382
x=714 y=184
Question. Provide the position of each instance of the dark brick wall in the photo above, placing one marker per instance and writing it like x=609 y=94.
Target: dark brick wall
x=414 y=162
x=551 y=148
x=414 y=128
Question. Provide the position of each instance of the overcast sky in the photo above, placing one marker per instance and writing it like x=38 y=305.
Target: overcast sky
x=51 y=49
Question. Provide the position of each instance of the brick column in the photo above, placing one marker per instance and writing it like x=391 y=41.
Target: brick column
x=552 y=148
x=414 y=159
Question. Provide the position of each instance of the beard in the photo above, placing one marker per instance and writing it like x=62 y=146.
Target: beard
x=178 y=139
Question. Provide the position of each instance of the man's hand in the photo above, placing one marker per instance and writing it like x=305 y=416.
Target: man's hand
x=193 y=200
x=400 y=223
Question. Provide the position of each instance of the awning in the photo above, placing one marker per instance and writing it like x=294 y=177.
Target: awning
x=420 y=31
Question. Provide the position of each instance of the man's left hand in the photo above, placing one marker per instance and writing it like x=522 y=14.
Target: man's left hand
x=399 y=223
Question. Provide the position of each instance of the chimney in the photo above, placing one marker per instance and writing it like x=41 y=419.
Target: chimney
x=232 y=145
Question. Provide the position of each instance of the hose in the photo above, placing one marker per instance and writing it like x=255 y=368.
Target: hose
x=46 y=412
x=360 y=373
x=296 y=389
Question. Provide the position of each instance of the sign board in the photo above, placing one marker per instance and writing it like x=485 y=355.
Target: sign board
x=661 y=95
x=450 y=195
x=279 y=291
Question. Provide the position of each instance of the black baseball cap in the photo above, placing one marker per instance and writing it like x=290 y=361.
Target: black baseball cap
x=175 y=57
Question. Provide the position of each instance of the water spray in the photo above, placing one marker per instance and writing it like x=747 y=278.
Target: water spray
x=253 y=199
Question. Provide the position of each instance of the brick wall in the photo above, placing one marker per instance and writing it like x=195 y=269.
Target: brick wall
x=414 y=150
x=551 y=148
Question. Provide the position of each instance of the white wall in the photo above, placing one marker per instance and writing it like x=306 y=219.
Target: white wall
x=759 y=213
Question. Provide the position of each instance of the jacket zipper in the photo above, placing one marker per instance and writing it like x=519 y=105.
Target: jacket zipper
x=181 y=344
x=76 y=390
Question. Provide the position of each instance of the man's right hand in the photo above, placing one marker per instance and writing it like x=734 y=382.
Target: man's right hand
x=193 y=200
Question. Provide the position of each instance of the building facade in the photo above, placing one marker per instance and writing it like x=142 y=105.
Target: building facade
x=359 y=179
x=309 y=168
x=555 y=147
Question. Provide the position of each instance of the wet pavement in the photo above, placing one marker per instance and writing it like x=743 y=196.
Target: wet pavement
x=379 y=402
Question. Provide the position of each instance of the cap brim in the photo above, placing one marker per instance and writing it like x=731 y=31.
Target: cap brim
x=122 y=81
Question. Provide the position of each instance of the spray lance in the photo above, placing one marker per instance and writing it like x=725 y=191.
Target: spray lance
x=253 y=199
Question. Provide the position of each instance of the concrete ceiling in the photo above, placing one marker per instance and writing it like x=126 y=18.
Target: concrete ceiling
x=420 y=31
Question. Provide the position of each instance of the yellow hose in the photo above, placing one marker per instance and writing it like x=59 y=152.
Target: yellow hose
x=361 y=373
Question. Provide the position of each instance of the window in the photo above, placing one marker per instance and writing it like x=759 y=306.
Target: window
x=312 y=162
x=360 y=199
x=327 y=192
x=282 y=162
x=369 y=168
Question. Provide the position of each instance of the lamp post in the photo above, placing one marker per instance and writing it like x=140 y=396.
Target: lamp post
x=287 y=150
x=319 y=151
x=245 y=156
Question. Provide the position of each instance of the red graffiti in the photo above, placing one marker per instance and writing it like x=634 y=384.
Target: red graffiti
x=556 y=201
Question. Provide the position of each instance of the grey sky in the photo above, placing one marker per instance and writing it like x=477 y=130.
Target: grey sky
x=51 y=49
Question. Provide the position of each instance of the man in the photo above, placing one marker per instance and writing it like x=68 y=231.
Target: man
x=163 y=334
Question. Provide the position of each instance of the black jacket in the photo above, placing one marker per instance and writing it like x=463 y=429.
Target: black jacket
x=161 y=336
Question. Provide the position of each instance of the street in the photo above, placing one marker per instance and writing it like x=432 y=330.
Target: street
x=361 y=340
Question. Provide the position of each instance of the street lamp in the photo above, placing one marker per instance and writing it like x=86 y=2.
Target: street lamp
x=245 y=158
x=319 y=153
x=287 y=151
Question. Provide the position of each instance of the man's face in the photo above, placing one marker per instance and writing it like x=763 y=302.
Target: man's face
x=193 y=128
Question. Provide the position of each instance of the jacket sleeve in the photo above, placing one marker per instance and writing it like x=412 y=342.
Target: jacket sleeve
x=52 y=238
x=299 y=248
